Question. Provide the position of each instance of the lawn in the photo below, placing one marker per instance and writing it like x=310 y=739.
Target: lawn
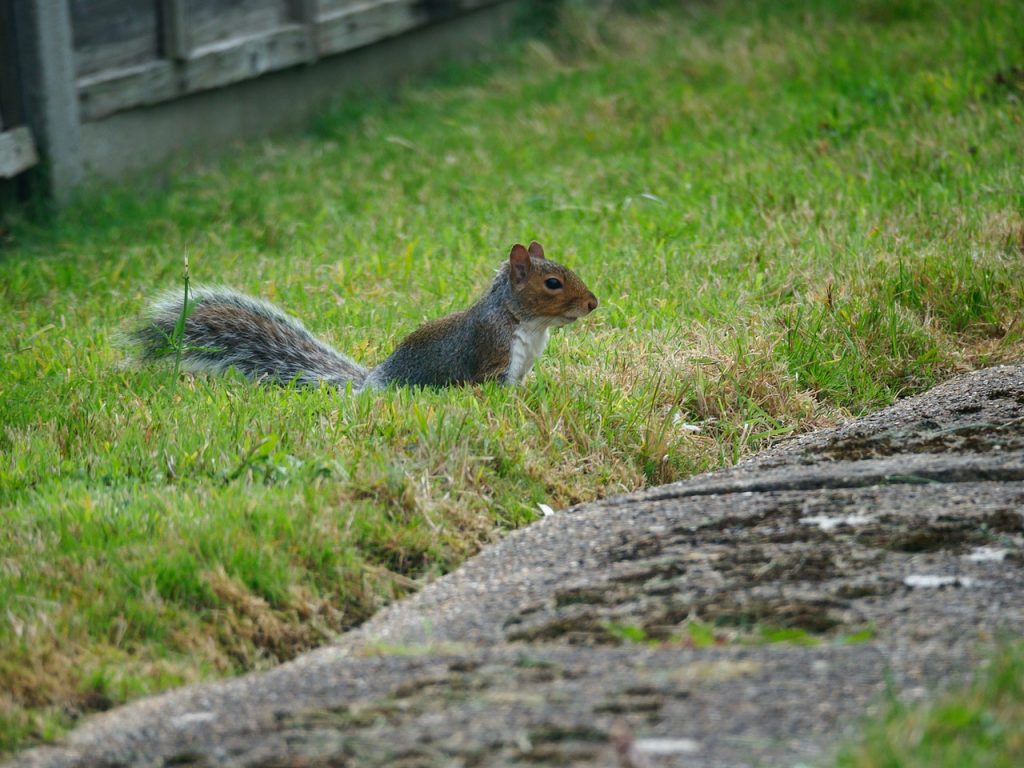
x=792 y=212
x=980 y=725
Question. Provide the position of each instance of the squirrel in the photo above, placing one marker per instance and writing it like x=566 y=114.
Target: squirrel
x=496 y=339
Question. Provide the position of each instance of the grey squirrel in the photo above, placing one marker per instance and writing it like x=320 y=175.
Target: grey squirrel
x=496 y=339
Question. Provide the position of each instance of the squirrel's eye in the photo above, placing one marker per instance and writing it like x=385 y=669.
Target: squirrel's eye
x=553 y=283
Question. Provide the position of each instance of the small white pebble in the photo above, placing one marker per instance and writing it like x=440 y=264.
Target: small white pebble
x=827 y=523
x=932 y=581
x=666 y=746
x=191 y=718
x=987 y=554
x=546 y=510
x=678 y=421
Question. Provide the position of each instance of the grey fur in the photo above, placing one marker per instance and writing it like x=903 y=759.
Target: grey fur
x=226 y=329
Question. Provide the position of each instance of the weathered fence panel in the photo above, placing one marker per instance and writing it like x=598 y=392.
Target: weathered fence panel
x=113 y=34
x=86 y=61
x=130 y=53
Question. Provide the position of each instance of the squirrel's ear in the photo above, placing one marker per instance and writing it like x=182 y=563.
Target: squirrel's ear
x=519 y=264
x=536 y=250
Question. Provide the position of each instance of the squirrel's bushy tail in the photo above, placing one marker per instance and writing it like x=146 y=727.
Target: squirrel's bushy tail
x=225 y=329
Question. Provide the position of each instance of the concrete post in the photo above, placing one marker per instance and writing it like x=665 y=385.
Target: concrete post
x=47 y=66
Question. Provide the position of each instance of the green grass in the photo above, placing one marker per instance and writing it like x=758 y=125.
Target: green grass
x=791 y=212
x=699 y=634
x=977 y=726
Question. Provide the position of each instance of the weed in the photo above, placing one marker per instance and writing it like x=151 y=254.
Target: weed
x=176 y=341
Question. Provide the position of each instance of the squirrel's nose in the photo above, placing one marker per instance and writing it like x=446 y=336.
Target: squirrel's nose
x=592 y=303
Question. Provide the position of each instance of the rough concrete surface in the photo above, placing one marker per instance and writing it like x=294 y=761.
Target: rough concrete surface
x=566 y=644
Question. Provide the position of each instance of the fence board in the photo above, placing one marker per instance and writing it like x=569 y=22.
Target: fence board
x=17 y=152
x=212 y=21
x=328 y=7
x=110 y=34
x=346 y=24
x=350 y=25
x=113 y=90
x=240 y=58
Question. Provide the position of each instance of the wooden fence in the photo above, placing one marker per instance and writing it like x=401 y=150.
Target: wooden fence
x=130 y=53
x=81 y=61
x=17 y=149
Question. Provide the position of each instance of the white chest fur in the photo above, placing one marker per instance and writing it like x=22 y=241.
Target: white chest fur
x=528 y=342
